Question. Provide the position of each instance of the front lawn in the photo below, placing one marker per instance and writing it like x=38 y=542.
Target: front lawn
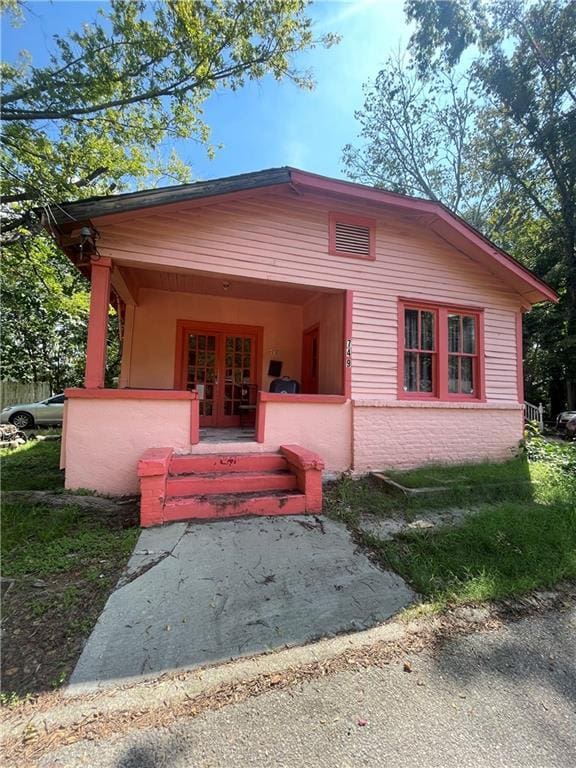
x=468 y=484
x=58 y=565
x=32 y=467
x=521 y=537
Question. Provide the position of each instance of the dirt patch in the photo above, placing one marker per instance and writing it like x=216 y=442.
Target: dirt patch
x=46 y=619
x=45 y=623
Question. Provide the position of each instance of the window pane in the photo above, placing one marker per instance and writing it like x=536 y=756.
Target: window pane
x=469 y=335
x=454 y=333
x=453 y=374
x=467 y=382
x=411 y=329
x=427 y=330
x=426 y=373
x=410 y=380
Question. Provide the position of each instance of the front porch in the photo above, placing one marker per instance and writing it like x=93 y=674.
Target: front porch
x=199 y=355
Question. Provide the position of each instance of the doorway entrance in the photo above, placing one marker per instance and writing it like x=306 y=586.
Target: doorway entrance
x=222 y=363
x=310 y=360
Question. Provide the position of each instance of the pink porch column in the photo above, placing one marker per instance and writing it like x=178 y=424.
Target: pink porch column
x=98 y=323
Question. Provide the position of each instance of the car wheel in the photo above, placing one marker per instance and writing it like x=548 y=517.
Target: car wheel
x=22 y=420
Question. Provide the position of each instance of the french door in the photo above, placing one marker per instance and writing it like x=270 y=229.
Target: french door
x=220 y=363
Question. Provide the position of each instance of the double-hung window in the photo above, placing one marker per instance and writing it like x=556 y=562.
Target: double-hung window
x=440 y=352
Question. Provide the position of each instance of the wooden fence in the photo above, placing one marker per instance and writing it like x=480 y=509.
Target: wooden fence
x=14 y=392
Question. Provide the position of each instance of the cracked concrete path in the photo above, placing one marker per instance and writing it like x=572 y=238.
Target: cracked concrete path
x=199 y=593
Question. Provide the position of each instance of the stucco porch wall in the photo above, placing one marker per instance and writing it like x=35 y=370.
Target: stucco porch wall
x=105 y=438
x=406 y=435
x=324 y=428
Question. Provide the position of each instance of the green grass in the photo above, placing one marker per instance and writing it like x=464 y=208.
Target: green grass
x=469 y=485
x=77 y=553
x=511 y=472
x=523 y=536
x=32 y=467
x=42 y=540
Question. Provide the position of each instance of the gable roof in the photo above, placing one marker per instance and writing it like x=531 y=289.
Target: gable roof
x=443 y=222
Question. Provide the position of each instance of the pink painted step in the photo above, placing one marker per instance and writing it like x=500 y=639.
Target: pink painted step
x=228 y=462
x=229 y=482
x=212 y=486
x=237 y=505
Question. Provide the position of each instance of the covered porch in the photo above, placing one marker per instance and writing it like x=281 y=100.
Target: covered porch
x=200 y=352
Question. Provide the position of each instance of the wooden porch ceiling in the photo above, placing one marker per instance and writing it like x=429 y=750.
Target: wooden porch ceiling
x=227 y=287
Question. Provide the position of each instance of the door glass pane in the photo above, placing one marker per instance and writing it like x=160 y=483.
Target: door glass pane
x=411 y=329
x=410 y=379
x=452 y=373
x=454 y=333
x=202 y=369
x=469 y=335
x=427 y=330
x=467 y=370
x=426 y=373
x=238 y=372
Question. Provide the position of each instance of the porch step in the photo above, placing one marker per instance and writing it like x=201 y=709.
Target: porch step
x=227 y=462
x=221 y=485
x=229 y=482
x=217 y=506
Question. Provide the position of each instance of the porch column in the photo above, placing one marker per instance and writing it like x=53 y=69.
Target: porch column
x=98 y=323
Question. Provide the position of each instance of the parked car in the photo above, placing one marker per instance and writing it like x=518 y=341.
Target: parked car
x=46 y=412
x=563 y=418
x=571 y=428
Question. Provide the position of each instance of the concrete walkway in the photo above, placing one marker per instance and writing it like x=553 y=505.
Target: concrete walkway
x=201 y=593
x=498 y=699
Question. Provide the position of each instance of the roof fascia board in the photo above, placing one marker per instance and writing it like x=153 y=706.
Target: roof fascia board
x=184 y=205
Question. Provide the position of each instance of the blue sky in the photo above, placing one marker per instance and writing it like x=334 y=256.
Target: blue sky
x=266 y=124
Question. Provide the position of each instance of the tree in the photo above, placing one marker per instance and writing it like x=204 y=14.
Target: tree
x=512 y=99
x=95 y=119
x=417 y=133
x=525 y=70
x=97 y=115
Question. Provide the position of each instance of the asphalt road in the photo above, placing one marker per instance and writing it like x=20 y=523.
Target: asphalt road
x=500 y=698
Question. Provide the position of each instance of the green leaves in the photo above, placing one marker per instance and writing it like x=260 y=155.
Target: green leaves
x=134 y=77
x=482 y=116
x=100 y=117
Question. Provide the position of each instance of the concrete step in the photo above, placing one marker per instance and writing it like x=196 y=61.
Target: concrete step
x=227 y=462
x=229 y=482
x=218 y=506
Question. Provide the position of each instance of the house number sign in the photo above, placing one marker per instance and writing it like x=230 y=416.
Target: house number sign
x=348 y=353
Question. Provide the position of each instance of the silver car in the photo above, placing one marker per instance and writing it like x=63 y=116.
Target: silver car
x=563 y=418
x=46 y=412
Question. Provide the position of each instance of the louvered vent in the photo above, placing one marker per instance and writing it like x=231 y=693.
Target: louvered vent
x=352 y=238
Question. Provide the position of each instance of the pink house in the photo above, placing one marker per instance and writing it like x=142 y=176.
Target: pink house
x=400 y=323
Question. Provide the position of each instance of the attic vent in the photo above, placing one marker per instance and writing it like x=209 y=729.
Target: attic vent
x=351 y=236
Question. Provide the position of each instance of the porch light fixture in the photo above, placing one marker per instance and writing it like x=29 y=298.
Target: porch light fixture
x=88 y=237
x=225 y=285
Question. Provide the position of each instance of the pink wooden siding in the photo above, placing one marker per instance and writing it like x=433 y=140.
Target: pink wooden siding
x=284 y=237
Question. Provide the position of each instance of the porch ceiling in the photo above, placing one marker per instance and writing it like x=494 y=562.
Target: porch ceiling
x=221 y=285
